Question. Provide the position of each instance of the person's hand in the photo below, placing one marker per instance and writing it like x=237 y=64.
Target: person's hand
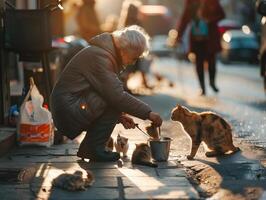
x=127 y=121
x=178 y=42
x=156 y=119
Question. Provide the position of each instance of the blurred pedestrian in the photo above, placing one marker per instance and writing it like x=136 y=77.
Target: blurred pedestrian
x=203 y=16
x=110 y=24
x=89 y=96
x=130 y=16
x=87 y=20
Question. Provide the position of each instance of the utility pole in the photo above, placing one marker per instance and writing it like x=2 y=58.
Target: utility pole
x=4 y=79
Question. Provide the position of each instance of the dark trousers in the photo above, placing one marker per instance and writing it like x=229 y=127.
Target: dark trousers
x=202 y=56
x=99 y=132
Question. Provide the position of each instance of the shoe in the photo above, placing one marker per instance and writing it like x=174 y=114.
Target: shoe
x=214 y=88
x=105 y=156
x=202 y=93
x=100 y=155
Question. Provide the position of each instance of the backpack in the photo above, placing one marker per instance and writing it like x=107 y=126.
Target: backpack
x=199 y=29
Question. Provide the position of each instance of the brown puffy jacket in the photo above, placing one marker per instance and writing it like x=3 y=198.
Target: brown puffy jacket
x=89 y=84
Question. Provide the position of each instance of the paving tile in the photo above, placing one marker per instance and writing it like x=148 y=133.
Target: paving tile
x=99 y=182
x=136 y=172
x=161 y=193
x=84 y=165
x=39 y=152
x=44 y=159
x=155 y=181
x=171 y=172
x=91 y=193
x=17 y=165
x=168 y=164
x=120 y=172
x=13 y=193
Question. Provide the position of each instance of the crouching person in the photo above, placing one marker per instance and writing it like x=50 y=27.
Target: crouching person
x=89 y=96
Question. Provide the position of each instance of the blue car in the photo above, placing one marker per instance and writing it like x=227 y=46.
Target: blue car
x=239 y=45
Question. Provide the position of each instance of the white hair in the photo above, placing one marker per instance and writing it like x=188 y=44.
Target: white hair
x=133 y=39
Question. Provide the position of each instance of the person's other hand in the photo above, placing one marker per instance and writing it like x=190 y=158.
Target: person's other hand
x=178 y=42
x=127 y=122
x=156 y=119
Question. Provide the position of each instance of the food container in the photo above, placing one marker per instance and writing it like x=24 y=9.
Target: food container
x=160 y=149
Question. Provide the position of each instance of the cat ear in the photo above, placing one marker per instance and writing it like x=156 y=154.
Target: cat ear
x=126 y=139
x=118 y=135
x=185 y=108
x=136 y=145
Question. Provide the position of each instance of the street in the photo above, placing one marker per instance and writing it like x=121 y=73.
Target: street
x=241 y=99
x=242 y=102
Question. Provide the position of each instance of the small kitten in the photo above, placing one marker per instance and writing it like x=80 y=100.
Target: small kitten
x=142 y=155
x=73 y=182
x=152 y=131
x=206 y=127
x=121 y=145
x=110 y=144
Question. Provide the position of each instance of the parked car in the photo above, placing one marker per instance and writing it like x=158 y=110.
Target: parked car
x=228 y=24
x=239 y=45
x=261 y=9
x=156 y=19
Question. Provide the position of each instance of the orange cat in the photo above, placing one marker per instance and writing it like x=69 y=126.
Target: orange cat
x=205 y=127
x=142 y=155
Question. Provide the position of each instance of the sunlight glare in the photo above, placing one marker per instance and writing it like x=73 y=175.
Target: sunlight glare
x=138 y=182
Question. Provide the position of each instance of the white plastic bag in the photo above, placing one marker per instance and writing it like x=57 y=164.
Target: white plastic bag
x=35 y=125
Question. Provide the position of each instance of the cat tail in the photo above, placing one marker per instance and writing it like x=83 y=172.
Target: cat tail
x=149 y=164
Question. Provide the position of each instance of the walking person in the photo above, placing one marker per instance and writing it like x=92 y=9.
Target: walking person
x=203 y=15
x=87 y=20
x=89 y=96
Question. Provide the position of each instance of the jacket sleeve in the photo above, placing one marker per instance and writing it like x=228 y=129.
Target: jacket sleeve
x=107 y=84
x=185 y=19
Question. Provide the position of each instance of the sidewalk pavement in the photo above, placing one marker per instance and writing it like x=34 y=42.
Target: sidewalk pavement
x=38 y=166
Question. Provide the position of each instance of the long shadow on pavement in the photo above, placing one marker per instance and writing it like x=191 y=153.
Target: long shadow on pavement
x=240 y=175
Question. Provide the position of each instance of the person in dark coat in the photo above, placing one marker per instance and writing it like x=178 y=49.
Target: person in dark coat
x=87 y=20
x=89 y=96
x=204 y=48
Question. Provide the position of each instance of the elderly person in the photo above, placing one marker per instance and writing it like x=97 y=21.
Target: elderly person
x=90 y=97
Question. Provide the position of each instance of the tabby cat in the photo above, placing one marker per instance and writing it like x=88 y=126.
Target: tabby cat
x=206 y=127
x=73 y=182
x=121 y=145
x=142 y=155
